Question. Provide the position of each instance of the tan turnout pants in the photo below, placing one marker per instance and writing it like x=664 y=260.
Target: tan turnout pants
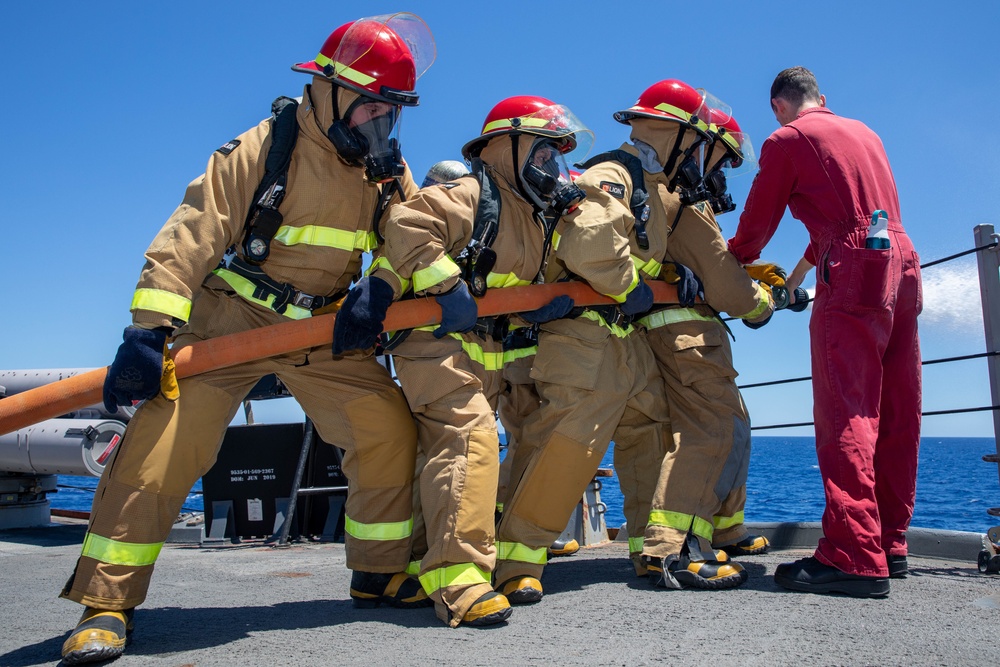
x=168 y=445
x=594 y=386
x=453 y=397
x=702 y=483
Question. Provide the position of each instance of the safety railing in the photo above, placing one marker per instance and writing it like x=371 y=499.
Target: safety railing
x=987 y=251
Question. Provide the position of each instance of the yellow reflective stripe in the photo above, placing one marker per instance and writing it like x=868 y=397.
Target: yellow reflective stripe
x=413 y=569
x=521 y=553
x=327 y=237
x=521 y=353
x=526 y=121
x=114 y=552
x=676 y=111
x=671 y=109
x=615 y=329
x=345 y=71
x=465 y=574
x=723 y=522
x=673 y=316
x=555 y=240
x=162 y=301
x=761 y=307
x=620 y=298
x=731 y=141
x=437 y=272
x=651 y=268
x=702 y=528
x=245 y=289
x=635 y=544
x=505 y=280
x=491 y=361
x=378 y=532
x=383 y=263
x=500 y=507
x=681 y=521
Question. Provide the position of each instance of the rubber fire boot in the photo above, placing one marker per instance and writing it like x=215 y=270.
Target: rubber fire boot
x=490 y=609
x=654 y=567
x=564 y=547
x=521 y=590
x=751 y=545
x=370 y=589
x=100 y=635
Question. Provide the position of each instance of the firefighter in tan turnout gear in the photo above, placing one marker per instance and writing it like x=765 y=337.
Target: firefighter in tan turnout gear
x=597 y=380
x=227 y=261
x=711 y=445
x=451 y=242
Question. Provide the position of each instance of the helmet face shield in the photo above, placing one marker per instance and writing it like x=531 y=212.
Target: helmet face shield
x=384 y=55
x=556 y=121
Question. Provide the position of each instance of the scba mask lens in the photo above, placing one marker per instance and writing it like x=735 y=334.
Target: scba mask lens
x=547 y=177
x=375 y=125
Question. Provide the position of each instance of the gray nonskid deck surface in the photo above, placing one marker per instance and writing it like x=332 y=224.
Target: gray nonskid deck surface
x=255 y=605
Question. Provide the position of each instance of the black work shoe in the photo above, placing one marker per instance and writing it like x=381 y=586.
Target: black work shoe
x=751 y=545
x=811 y=576
x=100 y=635
x=710 y=575
x=564 y=548
x=521 y=590
x=370 y=589
x=898 y=567
x=490 y=609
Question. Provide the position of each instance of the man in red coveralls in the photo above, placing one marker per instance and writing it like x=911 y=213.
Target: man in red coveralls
x=833 y=173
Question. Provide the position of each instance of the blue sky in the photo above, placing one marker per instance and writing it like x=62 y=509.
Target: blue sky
x=113 y=107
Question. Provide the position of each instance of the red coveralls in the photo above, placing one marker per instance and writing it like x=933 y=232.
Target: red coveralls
x=832 y=172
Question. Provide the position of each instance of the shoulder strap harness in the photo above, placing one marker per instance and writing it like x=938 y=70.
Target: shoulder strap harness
x=263 y=218
x=639 y=202
x=478 y=258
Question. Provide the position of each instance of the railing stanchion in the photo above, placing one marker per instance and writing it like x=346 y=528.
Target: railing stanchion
x=989 y=287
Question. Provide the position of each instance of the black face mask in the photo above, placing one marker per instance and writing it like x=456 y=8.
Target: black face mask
x=558 y=195
x=367 y=144
x=715 y=184
x=688 y=182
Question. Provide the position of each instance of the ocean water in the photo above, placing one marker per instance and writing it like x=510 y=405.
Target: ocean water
x=954 y=486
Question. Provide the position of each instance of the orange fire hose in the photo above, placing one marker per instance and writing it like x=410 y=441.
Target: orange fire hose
x=73 y=393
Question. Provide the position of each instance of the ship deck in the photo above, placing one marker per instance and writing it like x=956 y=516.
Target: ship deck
x=252 y=604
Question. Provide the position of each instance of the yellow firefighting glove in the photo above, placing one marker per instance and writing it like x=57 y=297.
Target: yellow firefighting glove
x=767 y=274
x=168 y=382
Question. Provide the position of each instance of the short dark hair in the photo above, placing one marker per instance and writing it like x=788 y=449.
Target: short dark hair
x=795 y=84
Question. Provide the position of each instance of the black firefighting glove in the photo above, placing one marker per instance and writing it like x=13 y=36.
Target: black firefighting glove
x=689 y=286
x=459 y=311
x=553 y=310
x=141 y=369
x=639 y=300
x=757 y=325
x=359 y=320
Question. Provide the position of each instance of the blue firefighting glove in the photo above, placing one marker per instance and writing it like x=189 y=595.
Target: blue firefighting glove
x=138 y=371
x=458 y=310
x=639 y=300
x=359 y=320
x=553 y=310
x=689 y=285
